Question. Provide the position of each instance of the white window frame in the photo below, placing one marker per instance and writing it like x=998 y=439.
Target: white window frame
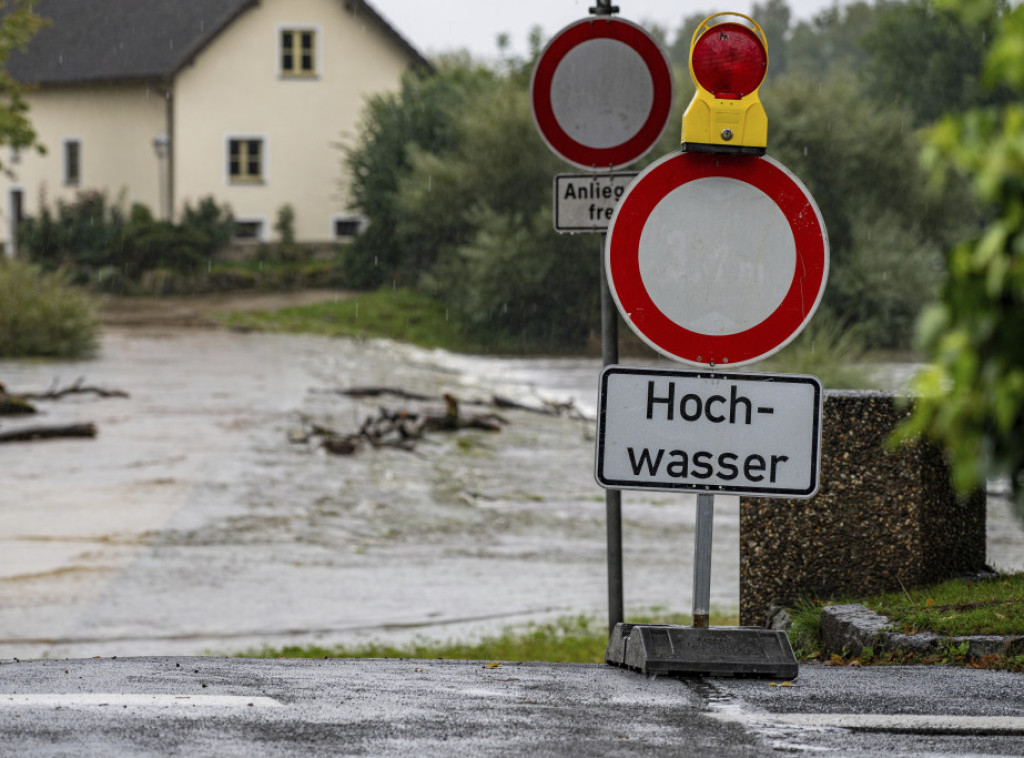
x=318 y=39
x=264 y=178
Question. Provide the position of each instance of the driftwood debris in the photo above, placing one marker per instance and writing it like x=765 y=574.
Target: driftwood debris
x=20 y=404
x=78 y=387
x=31 y=433
x=397 y=429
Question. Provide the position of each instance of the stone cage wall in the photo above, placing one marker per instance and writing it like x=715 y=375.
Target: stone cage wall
x=882 y=520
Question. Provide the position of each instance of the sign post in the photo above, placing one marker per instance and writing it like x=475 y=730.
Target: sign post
x=716 y=257
x=601 y=95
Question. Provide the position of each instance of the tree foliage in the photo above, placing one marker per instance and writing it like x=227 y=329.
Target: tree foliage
x=423 y=115
x=18 y=24
x=457 y=184
x=929 y=58
x=886 y=229
x=483 y=208
x=972 y=396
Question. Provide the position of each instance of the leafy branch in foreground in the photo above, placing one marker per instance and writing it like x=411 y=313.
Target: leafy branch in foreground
x=972 y=395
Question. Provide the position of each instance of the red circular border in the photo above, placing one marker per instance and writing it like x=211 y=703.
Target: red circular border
x=651 y=324
x=584 y=156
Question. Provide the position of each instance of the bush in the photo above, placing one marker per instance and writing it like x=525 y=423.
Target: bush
x=41 y=316
x=104 y=247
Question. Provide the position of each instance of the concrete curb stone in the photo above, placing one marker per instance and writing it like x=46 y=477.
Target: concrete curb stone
x=851 y=628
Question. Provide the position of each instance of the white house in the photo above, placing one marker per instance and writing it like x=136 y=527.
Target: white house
x=164 y=102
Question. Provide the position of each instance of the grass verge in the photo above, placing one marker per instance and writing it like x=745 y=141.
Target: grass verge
x=569 y=639
x=955 y=608
x=401 y=315
x=834 y=354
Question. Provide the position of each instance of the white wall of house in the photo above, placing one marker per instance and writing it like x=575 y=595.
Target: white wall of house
x=236 y=90
x=116 y=154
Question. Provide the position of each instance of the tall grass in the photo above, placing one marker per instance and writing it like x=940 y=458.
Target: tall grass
x=828 y=350
x=41 y=316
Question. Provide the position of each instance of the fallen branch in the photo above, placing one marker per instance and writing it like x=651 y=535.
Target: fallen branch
x=397 y=429
x=360 y=392
x=77 y=387
x=32 y=433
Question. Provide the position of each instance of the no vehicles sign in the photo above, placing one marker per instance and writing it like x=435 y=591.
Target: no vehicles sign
x=747 y=434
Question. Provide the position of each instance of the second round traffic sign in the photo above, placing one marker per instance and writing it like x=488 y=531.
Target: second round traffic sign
x=601 y=93
x=717 y=260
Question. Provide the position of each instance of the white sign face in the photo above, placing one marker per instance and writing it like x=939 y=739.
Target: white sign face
x=716 y=260
x=745 y=434
x=586 y=202
x=601 y=93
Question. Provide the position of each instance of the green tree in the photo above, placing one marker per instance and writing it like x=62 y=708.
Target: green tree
x=929 y=58
x=773 y=16
x=886 y=230
x=423 y=115
x=972 y=395
x=830 y=43
x=18 y=24
x=499 y=263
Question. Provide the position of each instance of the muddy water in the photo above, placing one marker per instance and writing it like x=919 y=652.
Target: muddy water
x=192 y=524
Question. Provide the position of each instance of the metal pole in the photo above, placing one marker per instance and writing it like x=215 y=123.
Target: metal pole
x=702 y=561
x=612 y=498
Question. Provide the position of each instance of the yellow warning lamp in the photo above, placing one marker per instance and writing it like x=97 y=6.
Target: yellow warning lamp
x=728 y=62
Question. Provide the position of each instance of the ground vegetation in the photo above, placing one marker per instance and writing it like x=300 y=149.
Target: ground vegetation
x=41 y=315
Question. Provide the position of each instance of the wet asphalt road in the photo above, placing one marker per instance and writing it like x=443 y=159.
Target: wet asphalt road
x=227 y=707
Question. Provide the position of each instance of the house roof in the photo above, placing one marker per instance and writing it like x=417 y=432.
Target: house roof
x=123 y=40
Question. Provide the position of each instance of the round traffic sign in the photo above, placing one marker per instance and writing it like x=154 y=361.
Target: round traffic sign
x=717 y=260
x=601 y=93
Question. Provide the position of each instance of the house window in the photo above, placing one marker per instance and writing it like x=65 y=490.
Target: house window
x=248 y=230
x=298 y=52
x=347 y=227
x=72 y=162
x=245 y=161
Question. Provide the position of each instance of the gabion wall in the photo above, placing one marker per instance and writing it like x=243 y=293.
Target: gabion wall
x=882 y=519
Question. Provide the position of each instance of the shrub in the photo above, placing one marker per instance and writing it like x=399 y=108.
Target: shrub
x=101 y=245
x=41 y=316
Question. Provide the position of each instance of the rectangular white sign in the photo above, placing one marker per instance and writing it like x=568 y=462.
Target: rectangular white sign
x=737 y=433
x=585 y=202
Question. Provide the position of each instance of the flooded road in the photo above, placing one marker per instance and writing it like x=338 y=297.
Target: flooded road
x=191 y=524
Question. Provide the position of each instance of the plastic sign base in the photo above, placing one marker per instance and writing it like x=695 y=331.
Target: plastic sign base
x=694 y=651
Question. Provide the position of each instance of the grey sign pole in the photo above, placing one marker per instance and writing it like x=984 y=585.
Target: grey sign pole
x=612 y=498
x=702 y=561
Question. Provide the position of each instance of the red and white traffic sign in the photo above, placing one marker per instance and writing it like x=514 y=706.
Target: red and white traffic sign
x=717 y=260
x=601 y=93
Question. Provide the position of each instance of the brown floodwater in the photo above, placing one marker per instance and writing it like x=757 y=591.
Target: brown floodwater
x=193 y=524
